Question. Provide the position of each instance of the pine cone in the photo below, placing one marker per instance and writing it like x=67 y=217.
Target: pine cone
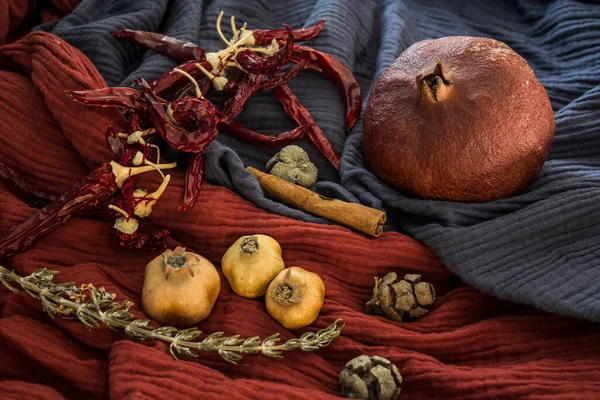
x=370 y=378
x=400 y=300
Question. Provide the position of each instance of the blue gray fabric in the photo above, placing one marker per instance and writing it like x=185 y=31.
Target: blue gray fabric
x=540 y=248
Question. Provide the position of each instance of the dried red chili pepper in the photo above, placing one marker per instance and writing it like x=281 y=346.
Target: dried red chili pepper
x=109 y=97
x=263 y=37
x=189 y=123
x=302 y=117
x=193 y=180
x=143 y=241
x=190 y=89
x=332 y=68
x=114 y=143
x=184 y=51
x=198 y=126
x=172 y=80
x=17 y=185
x=256 y=64
x=165 y=45
x=97 y=187
x=83 y=197
x=279 y=79
x=239 y=131
x=191 y=126
x=244 y=90
x=147 y=101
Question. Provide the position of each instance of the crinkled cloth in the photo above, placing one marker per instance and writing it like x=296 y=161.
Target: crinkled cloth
x=540 y=248
x=471 y=346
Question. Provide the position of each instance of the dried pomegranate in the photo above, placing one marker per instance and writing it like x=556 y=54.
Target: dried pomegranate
x=458 y=118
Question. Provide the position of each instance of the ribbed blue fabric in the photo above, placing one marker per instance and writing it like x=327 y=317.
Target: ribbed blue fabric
x=540 y=248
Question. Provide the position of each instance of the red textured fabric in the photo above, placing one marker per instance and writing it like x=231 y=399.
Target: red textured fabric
x=470 y=346
x=17 y=17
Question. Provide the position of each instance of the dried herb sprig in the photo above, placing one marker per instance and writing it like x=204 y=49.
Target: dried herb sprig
x=95 y=306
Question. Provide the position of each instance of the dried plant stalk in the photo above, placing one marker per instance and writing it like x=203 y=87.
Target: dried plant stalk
x=95 y=306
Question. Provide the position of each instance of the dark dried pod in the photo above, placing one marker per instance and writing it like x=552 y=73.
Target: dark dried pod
x=370 y=378
x=401 y=300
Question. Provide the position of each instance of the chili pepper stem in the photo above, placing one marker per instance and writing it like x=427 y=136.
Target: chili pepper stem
x=119 y=210
x=157 y=159
x=123 y=173
x=234 y=29
x=145 y=132
x=219 y=19
x=144 y=207
x=150 y=163
x=126 y=223
x=218 y=82
x=158 y=192
x=138 y=158
x=196 y=87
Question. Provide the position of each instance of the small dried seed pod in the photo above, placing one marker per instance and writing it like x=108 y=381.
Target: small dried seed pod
x=295 y=297
x=293 y=165
x=251 y=263
x=401 y=300
x=370 y=378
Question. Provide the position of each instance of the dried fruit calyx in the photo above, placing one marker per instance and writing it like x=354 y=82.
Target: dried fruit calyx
x=370 y=378
x=401 y=300
x=435 y=85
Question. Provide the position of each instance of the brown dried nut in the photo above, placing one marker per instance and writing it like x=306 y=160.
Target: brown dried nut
x=370 y=378
x=399 y=300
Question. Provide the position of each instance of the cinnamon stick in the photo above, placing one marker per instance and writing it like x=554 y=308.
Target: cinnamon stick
x=356 y=216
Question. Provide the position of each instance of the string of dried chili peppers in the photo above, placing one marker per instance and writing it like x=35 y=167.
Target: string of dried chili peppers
x=251 y=62
x=96 y=188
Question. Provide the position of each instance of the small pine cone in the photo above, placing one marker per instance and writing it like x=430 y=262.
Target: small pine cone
x=370 y=378
x=401 y=300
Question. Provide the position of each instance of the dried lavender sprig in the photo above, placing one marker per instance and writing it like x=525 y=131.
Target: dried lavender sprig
x=69 y=301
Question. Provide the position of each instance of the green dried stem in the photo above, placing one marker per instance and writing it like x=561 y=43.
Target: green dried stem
x=94 y=307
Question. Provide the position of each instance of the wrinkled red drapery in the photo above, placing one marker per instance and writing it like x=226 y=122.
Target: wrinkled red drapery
x=17 y=17
x=470 y=346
